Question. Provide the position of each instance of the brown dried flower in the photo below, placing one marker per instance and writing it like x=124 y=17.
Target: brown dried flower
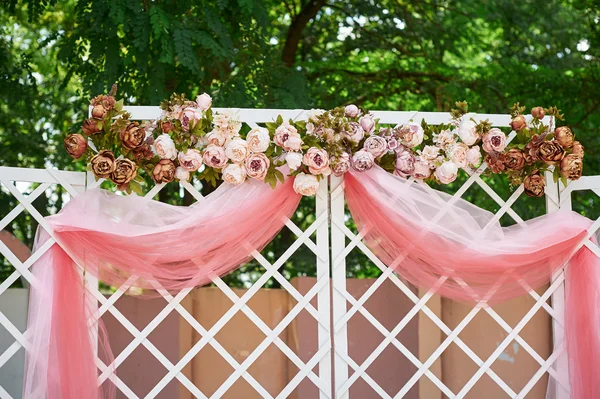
x=125 y=171
x=132 y=136
x=514 y=159
x=103 y=164
x=550 y=151
x=90 y=127
x=75 y=144
x=564 y=136
x=534 y=184
x=164 y=171
x=571 y=167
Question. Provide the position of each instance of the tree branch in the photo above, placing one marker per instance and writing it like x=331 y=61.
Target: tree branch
x=294 y=34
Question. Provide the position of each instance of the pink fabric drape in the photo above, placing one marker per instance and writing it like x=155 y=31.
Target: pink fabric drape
x=434 y=241
x=116 y=237
x=428 y=238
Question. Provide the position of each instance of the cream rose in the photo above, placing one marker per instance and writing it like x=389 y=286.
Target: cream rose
x=376 y=145
x=191 y=160
x=410 y=134
x=429 y=153
x=234 y=173
x=217 y=137
x=446 y=172
x=214 y=156
x=494 y=140
x=467 y=131
x=164 y=147
x=237 y=150
x=287 y=137
x=257 y=166
x=306 y=184
x=293 y=160
x=444 y=138
x=258 y=139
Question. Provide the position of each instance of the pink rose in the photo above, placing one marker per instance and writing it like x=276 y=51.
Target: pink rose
x=351 y=111
x=341 y=164
x=474 y=156
x=190 y=116
x=317 y=161
x=421 y=169
x=376 y=145
x=362 y=160
x=446 y=172
x=214 y=156
x=306 y=184
x=355 y=133
x=287 y=137
x=458 y=154
x=257 y=166
x=494 y=140
x=367 y=123
x=191 y=160
x=204 y=101
x=405 y=164
x=234 y=173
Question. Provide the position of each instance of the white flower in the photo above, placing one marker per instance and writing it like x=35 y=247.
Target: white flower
x=164 y=147
x=228 y=121
x=306 y=184
x=293 y=160
x=237 y=150
x=429 y=152
x=182 y=174
x=467 y=131
x=204 y=101
x=458 y=154
x=310 y=128
x=234 y=173
x=258 y=139
x=474 y=156
x=444 y=138
x=446 y=172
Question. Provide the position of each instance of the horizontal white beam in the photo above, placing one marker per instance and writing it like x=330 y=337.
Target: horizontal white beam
x=41 y=175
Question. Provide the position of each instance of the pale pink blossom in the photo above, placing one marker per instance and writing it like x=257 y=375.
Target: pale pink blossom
x=446 y=172
x=362 y=160
x=444 y=138
x=355 y=133
x=351 y=111
x=234 y=173
x=258 y=139
x=405 y=163
x=421 y=170
x=317 y=161
x=494 y=140
x=458 y=154
x=237 y=150
x=467 y=131
x=217 y=137
x=474 y=156
x=257 y=166
x=410 y=134
x=190 y=116
x=182 y=174
x=367 y=123
x=293 y=160
x=214 y=156
x=204 y=101
x=165 y=147
x=429 y=152
x=306 y=184
x=340 y=164
x=191 y=160
x=287 y=137
x=376 y=145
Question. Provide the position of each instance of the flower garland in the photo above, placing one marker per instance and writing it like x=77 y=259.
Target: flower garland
x=190 y=138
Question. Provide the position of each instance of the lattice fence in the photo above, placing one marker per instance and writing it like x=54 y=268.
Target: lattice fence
x=333 y=370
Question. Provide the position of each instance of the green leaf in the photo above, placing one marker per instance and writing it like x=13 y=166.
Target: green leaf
x=136 y=187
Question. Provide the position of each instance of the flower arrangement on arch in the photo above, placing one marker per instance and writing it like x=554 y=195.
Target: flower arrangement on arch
x=189 y=138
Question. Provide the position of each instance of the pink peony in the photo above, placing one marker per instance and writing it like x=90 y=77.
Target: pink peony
x=421 y=169
x=258 y=139
x=446 y=172
x=257 y=166
x=367 y=123
x=214 y=156
x=341 y=164
x=165 y=147
x=287 y=137
x=458 y=154
x=293 y=160
x=376 y=145
x=494 y=140
x=317 y=161
x=474 y=156
x=405 y=164
x=467 y=131
x=305 y=184
x=362 y=160
x=234 y=173
x=355 y=133
x=191 y=160
x=204 y=101
x=351 y=111
x=237 y=150
x=190 y=116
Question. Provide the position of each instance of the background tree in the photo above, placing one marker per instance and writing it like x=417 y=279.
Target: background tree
x=393 y=55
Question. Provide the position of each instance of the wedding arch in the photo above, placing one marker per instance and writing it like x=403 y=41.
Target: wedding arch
x=448 y=219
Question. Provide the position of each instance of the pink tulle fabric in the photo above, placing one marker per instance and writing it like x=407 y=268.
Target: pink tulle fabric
x=435 y=241
x=156 y=245
x=429 y=238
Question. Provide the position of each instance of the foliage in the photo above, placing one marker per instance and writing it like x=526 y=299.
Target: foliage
x=416 y=55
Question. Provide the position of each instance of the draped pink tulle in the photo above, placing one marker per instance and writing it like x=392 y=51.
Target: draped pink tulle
x=436 y=242
x=157 y=245
x=431 y=239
